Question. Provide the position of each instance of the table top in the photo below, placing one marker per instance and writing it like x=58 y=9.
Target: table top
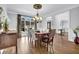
x=42 y=33
x=9 y=32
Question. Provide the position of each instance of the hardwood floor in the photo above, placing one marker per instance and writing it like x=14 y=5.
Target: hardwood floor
x=61 y=45
x=25 y=46
x=10 y=50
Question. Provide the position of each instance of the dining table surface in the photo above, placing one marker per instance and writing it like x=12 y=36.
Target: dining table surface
x=42 y=33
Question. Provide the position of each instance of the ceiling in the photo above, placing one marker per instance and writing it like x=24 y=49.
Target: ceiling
x=27 y=9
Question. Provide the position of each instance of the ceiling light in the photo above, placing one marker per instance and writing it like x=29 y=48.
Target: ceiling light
x=38 y=18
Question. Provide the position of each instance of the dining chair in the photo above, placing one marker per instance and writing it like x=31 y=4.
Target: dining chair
x=49 y=38
x=34 y=39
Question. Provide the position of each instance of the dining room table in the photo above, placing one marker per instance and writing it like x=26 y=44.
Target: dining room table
x=40 y=35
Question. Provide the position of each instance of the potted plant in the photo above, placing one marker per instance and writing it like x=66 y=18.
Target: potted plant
x=76 y=31
x=5 y=26
x=0 y=25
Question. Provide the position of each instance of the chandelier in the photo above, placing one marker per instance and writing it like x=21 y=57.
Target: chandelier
x=37 y=18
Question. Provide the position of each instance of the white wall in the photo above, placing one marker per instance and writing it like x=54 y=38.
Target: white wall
x=12 y=21
x=4 y=15
x=74 y=17
x=64 y=16
x=12 y=18
x=55 y=21
x=74 y=22
x=43 y=25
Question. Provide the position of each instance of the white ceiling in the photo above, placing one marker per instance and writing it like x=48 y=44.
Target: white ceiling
x=27 y=9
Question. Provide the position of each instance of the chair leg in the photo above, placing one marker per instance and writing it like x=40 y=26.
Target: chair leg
x=40 y=43
x=16 y=49
x=52 y=47
x=52 y=42
x=32 y=43
x=47 y=47
x=35 y=43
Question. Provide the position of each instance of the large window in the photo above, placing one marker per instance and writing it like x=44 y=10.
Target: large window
x=26 y=22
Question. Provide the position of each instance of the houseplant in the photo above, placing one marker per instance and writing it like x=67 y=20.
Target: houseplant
x=76 y=31
x=0 y=25
x=5 y=25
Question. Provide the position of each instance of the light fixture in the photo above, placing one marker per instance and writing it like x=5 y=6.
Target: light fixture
x=37 y=18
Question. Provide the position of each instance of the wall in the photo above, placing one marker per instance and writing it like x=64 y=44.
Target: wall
x=74 y=22
x=62 y=21
x=3 y=16
x=12 y=19
x=43 y=25
x=74 y=17
x=55 y=21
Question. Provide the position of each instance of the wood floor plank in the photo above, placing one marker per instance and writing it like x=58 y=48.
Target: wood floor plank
x=61 y=45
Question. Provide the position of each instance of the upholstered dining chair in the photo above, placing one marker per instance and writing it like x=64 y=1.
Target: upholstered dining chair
x=49 y=38
x=34 y=39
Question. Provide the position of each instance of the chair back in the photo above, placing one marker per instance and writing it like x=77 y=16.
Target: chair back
x=33 y=35
x=52 y=33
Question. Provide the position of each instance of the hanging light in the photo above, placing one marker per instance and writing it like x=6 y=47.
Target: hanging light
x=38 y=18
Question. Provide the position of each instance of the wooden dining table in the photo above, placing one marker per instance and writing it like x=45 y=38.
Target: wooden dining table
x=40 y=35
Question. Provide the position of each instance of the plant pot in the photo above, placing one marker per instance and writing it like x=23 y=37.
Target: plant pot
x=76 y=40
